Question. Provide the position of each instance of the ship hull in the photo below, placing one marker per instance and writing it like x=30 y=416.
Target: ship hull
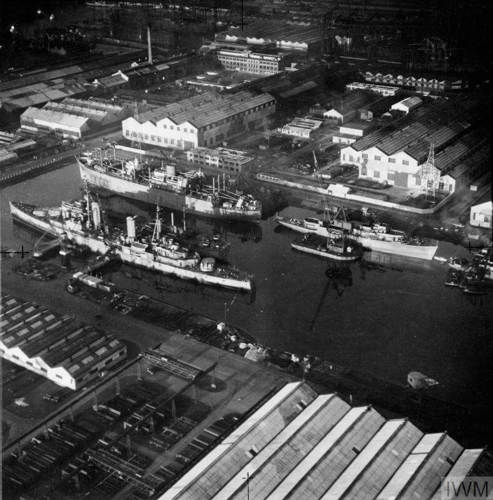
x=145 y=260
x=164 y=198
x=425 y=252
x=325 y=255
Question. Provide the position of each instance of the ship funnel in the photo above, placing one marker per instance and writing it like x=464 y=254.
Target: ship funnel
x=131 y=228
x=96 y=214
x=149 y=47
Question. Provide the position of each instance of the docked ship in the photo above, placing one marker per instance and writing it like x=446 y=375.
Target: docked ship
x=336 y=247
x=377 y=237
x=164 y=186
x=79 y=223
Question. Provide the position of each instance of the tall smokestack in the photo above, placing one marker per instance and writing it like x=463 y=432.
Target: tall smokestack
x=149 y=48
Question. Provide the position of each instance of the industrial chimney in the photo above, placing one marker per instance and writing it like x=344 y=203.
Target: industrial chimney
x=149 y=48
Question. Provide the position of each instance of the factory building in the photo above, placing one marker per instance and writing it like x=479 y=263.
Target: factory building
x=288 y=37
x=53 y=346
x=248 y=61
x=220 y=159
x=301 y=127
x=397 y=154
x=200 y=121
x=299 y=444
x=71 y=117
x=420 y=84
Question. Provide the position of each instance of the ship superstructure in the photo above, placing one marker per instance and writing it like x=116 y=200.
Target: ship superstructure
x=80 y=223
x=162 y=185
x=377 y=237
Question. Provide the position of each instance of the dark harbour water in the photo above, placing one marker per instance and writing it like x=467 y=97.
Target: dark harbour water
x=386 y=318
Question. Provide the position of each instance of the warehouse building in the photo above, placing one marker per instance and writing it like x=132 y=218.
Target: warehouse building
x=72 y=117
x=406 y=105
x=299 y=444
x=36 y=94
x=202 y=120
x=248 y=61
x=301 y=127
x=37 y=120
x=348 y=106
x=53 y=346
x=396 y=154
x=220 y=159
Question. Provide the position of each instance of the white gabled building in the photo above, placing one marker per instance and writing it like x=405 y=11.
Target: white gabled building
x=398 y=159
x=407 y=105
x=53 y=346
x=203 y=120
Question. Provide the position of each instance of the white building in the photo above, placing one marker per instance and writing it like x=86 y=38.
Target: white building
x=65 y=124
x=71 y=117
x=301 y=127
x=53 y=346
x=350 y=132
x=398 y=159
x=248 y=61
x=202 y=120
x=481 y=215
x=407 y=105
x=383 y=90
x=221 y=159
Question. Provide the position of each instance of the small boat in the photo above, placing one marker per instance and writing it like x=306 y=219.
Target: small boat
x=440 y=259
x=454 y=278
x=418 y=380
x=458 y=263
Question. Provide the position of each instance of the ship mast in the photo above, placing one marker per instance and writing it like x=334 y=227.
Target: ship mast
x=88 y=204
x=156 y=234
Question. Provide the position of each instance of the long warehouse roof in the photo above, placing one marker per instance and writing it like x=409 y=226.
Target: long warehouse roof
x=323 y=448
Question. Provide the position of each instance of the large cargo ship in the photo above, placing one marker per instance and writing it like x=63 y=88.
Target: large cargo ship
x=377 y=237
x=80 y=223
x=165 y=187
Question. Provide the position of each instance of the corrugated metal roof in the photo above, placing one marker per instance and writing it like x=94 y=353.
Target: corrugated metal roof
x=282 y=454
x=212 y=472
x=207 y=108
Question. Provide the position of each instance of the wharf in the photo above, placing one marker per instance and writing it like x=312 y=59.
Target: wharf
x=423 y=408
x=241 y=383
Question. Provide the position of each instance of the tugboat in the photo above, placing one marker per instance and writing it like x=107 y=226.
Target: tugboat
x=336 y=247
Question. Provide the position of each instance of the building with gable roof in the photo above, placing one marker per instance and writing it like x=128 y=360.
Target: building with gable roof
x=202 y=120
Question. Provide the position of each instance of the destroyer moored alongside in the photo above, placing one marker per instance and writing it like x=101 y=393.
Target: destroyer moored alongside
x=165 y=187
x=377 y=237
x=76 y=223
